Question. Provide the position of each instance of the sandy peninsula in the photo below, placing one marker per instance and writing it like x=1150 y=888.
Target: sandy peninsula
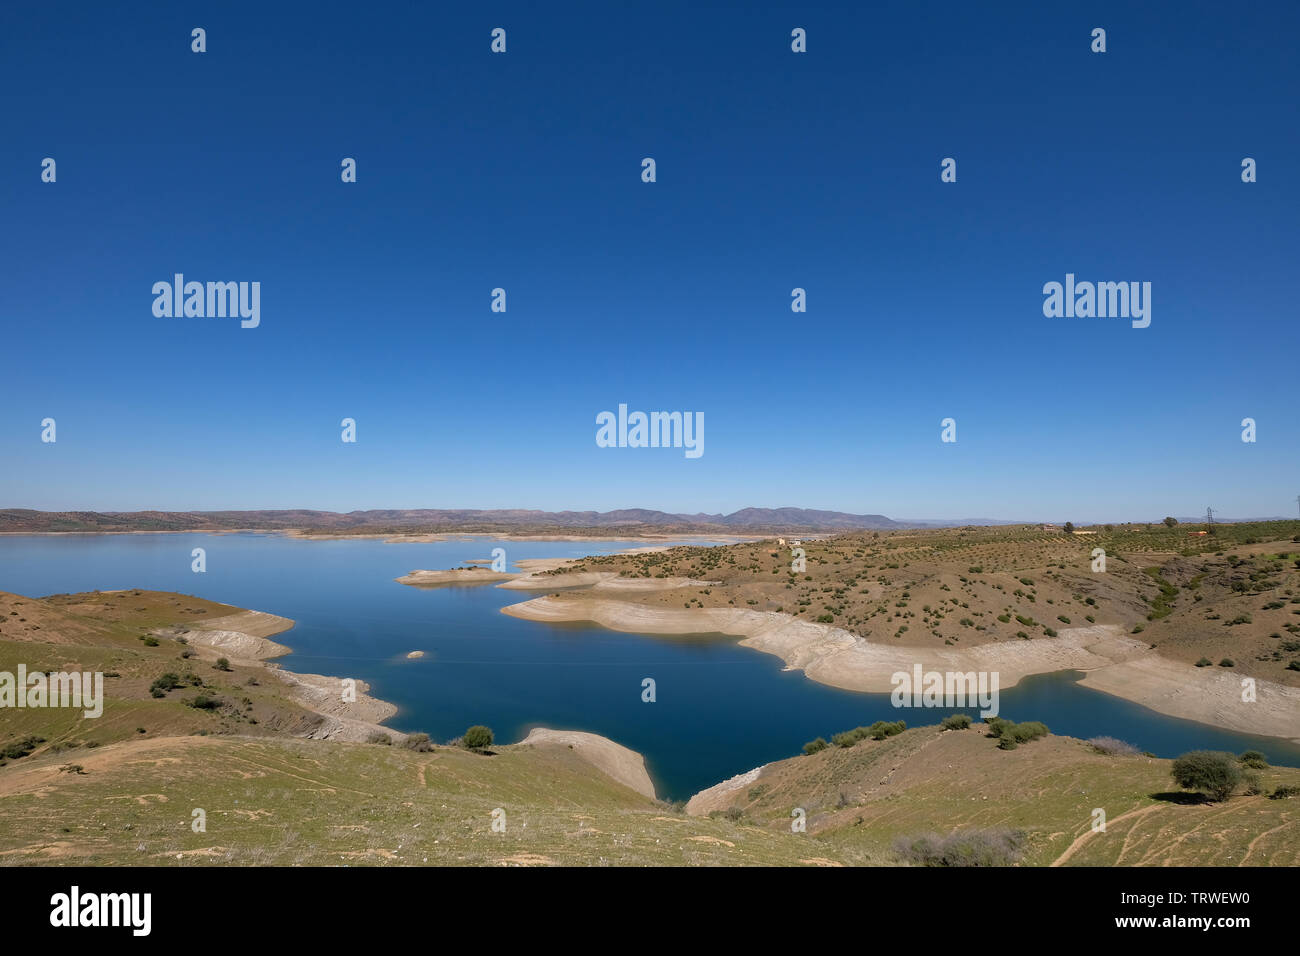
x=616 y=761
x=455 y=577
x=1114 y=663
x=244 y=637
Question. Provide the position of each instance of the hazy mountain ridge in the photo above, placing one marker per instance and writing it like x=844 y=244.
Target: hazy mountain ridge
x=429 y=519
x=505 y=520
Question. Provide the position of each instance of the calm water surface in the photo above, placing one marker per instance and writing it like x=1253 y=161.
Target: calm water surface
x=722 y=709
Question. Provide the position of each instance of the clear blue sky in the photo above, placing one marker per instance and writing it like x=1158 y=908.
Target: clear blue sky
x=776 y=170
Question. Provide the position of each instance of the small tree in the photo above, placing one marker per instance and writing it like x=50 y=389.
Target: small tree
x=1170 y=522
x=222 y=664
x=1069 y=527
x=1213 y=772
x=477 y=737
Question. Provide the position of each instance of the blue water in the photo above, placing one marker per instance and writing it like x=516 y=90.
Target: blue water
x=721 y=709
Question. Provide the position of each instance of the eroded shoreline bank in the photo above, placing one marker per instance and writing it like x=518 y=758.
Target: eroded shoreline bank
x=1113 y=662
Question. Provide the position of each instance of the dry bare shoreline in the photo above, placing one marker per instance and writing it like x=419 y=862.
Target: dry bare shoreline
x=245 y=635
x=1113 y=663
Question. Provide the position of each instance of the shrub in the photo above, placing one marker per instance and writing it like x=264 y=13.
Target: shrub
x=1205 y=662
x=955 y=722
x=814 y=746
x=1113 y=747
x=884 y=728
x=477 y=737
x=164 y=683
x=995 y=725
x=204 y=702
x=996 y=847
x=420 y=743
x=1254 y=760
x=1010 y=734
x=21 y=747
x=222 y=664
x=1212 y=772
x=378 y=738
x=1284 y=793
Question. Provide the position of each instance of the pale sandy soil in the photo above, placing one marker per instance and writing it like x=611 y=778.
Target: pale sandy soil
x=624 y=765
x=1115 y=663
x=529 y=576
x=453 y=577
x=351 y=721
x=244 y=638
x=718 y=796
x=24 y=779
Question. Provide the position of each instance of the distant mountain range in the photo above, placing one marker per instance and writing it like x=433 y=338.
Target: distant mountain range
x=429 y=520
x=408 y=521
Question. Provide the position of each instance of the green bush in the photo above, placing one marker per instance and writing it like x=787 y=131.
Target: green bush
x=21 y=747
x=477 y=737
x=955 y=722
x=996 y=847
x=420 y=743
x=164 y=683
x=1212 y=772
x=1011 y=734
x=815 y=746
x=1254 y=760
x=884 y=728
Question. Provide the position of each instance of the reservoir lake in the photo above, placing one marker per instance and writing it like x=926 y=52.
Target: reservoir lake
x=721 y=709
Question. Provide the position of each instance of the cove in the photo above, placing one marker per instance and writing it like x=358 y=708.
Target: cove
x=721 y=709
